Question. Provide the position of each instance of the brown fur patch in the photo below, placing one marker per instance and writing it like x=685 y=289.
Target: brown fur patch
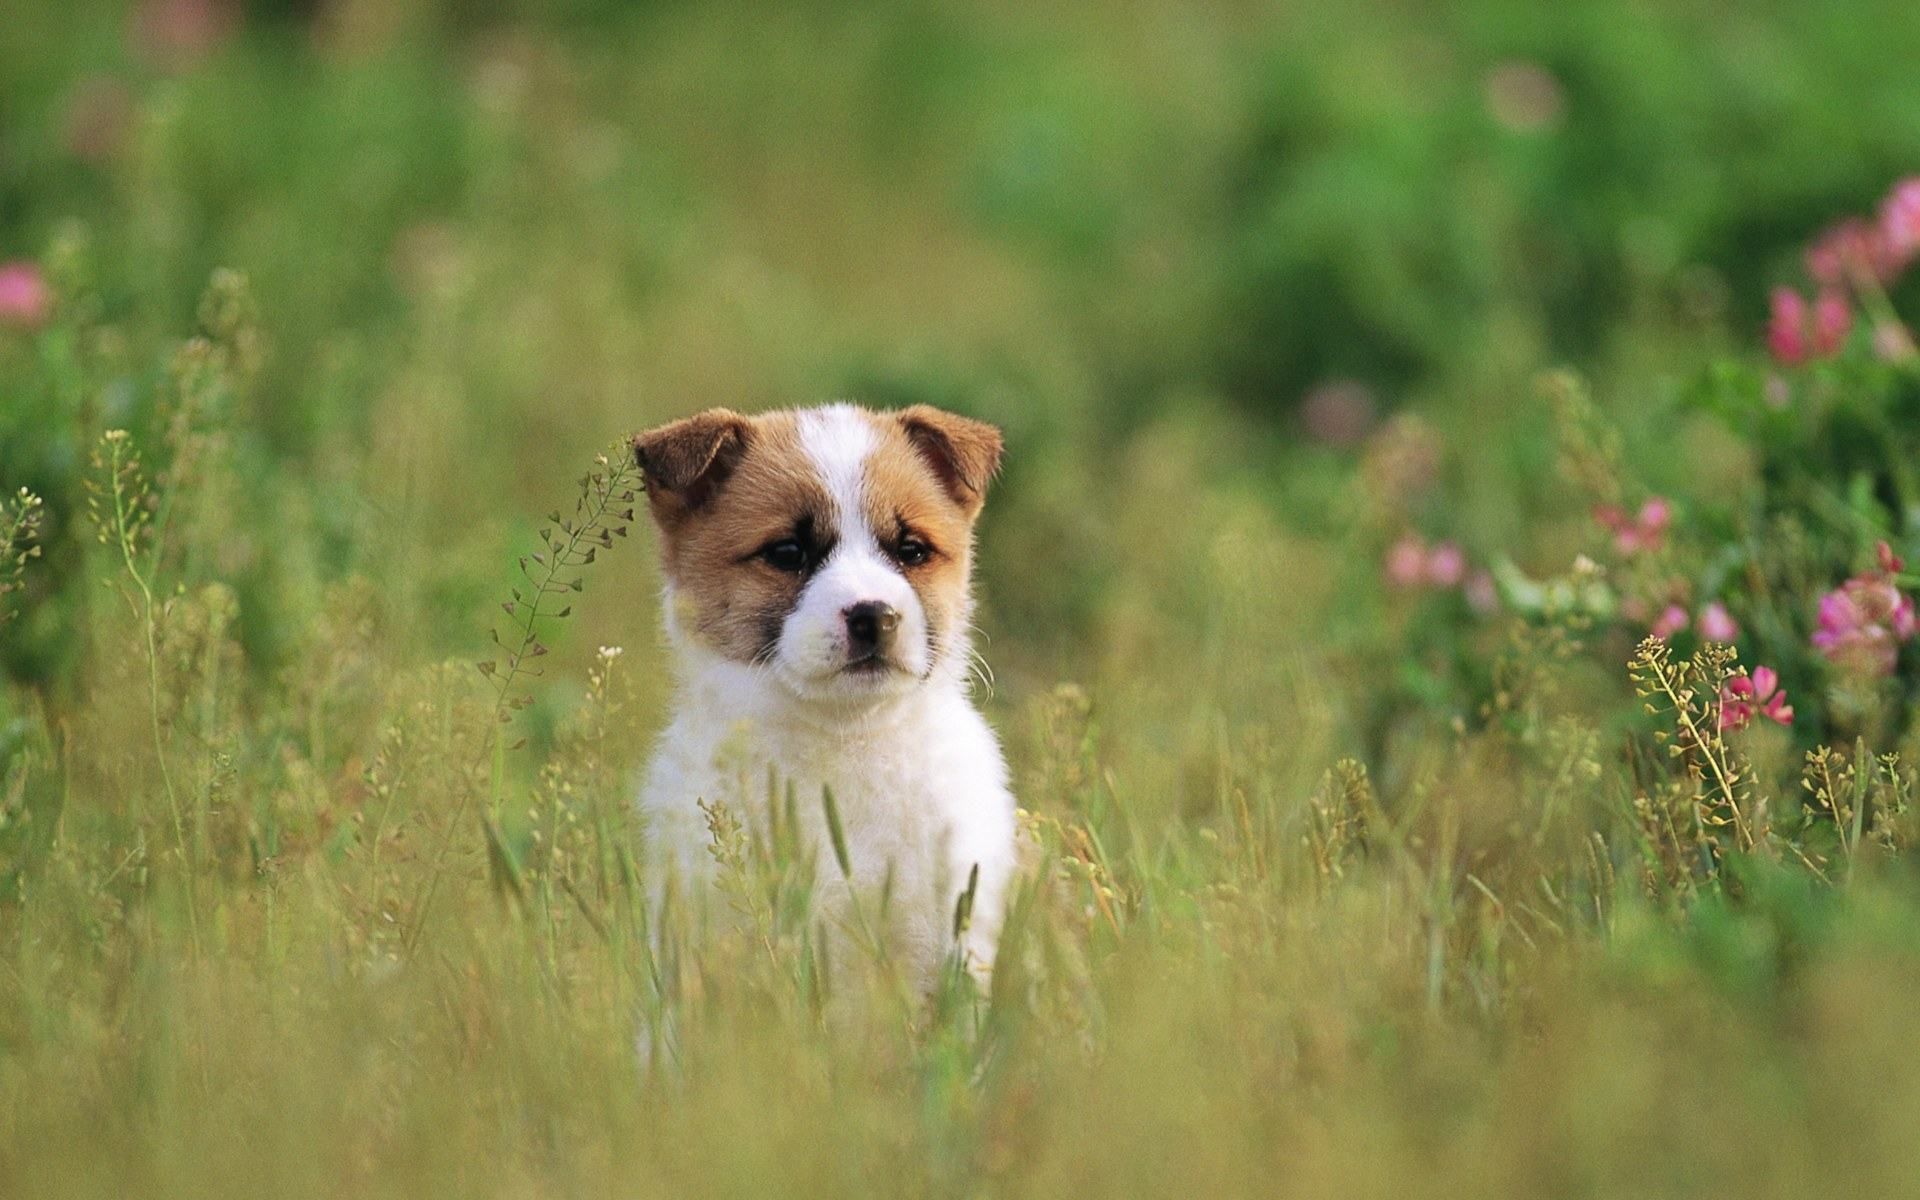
x=684 y=462
x=727 y=599
x=905 y=493
x=964 y=454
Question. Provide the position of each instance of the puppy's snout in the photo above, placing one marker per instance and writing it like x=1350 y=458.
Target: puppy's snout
x=870 y=625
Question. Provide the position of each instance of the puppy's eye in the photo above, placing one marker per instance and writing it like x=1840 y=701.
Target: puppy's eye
x=912 y=552
x=785 y=555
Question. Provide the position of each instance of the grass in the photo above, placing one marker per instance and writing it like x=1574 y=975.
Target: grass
x=309 y=886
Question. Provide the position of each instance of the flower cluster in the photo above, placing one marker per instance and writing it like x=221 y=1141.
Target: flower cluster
x=1863 y=621
x=1855 y=250
x=1797 y=332
x=1413 y=563
x=1714 y=623
x=1745 y=696
x=1639 y=532
x=1853 y=260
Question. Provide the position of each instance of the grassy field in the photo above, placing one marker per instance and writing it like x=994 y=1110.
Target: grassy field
x=1376 y=378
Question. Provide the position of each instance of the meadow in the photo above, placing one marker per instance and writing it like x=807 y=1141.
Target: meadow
x=1447 y=599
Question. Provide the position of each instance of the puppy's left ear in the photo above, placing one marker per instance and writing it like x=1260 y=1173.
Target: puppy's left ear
x=964 y=453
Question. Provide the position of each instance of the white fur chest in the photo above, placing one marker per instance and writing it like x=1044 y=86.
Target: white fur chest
x=920 y=786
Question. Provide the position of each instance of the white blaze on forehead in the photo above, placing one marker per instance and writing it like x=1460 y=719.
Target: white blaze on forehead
x=837 y=440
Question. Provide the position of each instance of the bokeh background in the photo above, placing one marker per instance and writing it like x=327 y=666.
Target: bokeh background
x=1261 y=294
x=486 y=238
x=1188 y=256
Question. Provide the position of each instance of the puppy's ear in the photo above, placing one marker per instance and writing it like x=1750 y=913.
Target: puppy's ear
x=684 y=463
x=964 y=453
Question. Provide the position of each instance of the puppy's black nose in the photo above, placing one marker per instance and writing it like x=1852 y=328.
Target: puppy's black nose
x=869 y=624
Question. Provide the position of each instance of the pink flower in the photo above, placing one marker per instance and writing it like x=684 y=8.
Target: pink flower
x=1743 y=696
x=1716 y=624
x=1446 y=565
x=1644 y=531
x=1862 y=622
x=1899 y=228
x=25 y=299
x=1832 y=320
x=1406 y=563
x=1849 y=251
x=1672 y=620
x=1787 y=327
x=1797 y=332
x=1412 y=563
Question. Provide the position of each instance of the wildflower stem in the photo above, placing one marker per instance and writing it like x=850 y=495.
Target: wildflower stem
x=126 y=537
x=1873 y=297
x=600 y=494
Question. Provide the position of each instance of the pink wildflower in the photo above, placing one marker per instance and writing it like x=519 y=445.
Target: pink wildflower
x=1406 y=564
x=1643 y=531
x=1411 y=563
x=1672 y=620
x=25 y=299
x=1832 y=320
x=1716 y=624
x=1446 y=565
x=1787 y=327
x=1797 y=331
x=1862 y=622
x=1849 y=251
x=1900 y=221
x=1744 y=696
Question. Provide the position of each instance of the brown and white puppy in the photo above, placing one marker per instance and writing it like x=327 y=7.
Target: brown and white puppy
x=818 y=603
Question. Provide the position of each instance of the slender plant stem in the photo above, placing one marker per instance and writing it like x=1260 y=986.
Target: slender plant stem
x=570 y=554
x=125 y=536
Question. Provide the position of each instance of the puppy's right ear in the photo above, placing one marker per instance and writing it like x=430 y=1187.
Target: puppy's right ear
x=684 y=463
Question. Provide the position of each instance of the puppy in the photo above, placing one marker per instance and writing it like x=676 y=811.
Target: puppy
x=818 y=602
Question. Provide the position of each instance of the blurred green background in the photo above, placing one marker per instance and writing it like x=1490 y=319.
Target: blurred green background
x=1257 y=291
x=484 y=238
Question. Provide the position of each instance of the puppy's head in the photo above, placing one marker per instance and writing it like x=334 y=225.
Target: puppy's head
x=831 y=546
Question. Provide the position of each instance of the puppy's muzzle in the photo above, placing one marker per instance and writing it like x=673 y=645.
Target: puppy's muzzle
x=870 y=628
